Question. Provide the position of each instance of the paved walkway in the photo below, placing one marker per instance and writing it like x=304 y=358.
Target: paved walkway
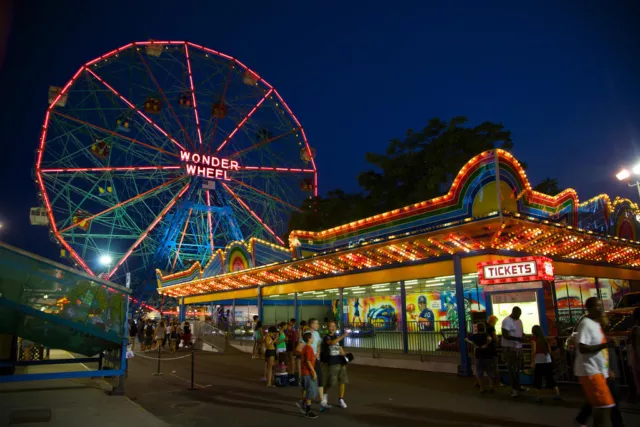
x=228 y=392
x=70 y=403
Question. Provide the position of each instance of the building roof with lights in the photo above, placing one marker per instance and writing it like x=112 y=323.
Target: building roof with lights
x=476 y=218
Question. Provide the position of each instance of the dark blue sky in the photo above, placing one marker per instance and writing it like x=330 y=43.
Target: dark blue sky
x=563 y=78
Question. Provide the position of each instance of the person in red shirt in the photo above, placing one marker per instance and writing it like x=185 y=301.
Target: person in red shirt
x=309 y=378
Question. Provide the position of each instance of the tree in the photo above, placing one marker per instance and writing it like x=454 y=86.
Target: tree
x=420 y=167
x=548 y=186
x=424 y=164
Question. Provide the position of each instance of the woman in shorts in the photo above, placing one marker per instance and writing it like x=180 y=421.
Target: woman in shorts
x=270 y=354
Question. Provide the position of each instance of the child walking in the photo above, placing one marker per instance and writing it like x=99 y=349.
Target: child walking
x=309 y=380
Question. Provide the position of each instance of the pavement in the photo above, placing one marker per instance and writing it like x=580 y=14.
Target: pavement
x=228 y=391
x=68 y=403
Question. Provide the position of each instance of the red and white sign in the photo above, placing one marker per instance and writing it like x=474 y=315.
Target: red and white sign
x=211 y=167
x=528 y=269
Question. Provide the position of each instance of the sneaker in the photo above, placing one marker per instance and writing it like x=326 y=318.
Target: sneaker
x=342 y=404
x=515 y=393
x=523 y=389
x=300 y=405
x=324 y=406
x=310 y=414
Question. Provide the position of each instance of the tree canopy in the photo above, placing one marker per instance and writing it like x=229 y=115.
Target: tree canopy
x=419 y=167
x=548 y=186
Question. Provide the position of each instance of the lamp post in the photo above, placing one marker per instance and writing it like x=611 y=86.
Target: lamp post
x=626 y=176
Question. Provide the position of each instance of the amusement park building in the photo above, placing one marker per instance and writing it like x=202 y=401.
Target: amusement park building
x=553 y=252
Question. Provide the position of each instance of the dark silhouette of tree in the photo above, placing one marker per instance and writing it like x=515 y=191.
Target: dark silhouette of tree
x=419 y=167
x=548 y=186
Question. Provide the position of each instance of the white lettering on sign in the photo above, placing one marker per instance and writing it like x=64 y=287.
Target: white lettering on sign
x=506 y=271
x=210 y=167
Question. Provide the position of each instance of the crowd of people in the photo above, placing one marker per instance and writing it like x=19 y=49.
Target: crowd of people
x=166 y=334
x=300 y=354
x=594 y=364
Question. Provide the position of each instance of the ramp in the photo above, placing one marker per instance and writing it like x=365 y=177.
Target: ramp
x=54 y=305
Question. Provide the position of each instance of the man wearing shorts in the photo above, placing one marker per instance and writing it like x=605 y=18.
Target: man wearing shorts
x=336 y=373
x=592 y=362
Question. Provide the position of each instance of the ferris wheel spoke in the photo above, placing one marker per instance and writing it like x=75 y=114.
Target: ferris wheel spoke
x=110 y=169
x=224 y=93
x=116 y=135
x=274 y=169
x=210 y=222
x=247 y=117
x=146 y=232
x=136 y=109
x=262 y=193
x=184 y=231
x=166 y=100
x=134 y=199
x=193 y=92
x=253 y=214
x=261 y=144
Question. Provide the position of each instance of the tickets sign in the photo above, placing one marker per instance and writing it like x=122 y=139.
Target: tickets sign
x=528 y=269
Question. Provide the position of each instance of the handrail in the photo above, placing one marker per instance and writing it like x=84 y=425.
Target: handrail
x=65 y=268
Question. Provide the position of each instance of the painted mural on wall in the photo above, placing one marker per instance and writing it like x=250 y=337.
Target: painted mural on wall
x=436 y=310
x=380 y=311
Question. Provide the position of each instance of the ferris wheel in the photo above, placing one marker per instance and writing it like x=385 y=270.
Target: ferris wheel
x=156 y=154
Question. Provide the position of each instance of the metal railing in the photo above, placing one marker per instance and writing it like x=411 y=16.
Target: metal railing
x=209 y=334
x=436 y=338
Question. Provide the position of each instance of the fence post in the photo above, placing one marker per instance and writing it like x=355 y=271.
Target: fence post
x=405 y=329
x=465 y=363
x=193 y=363
x=159 y=357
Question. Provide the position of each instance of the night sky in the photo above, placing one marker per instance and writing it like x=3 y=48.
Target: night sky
x=565 y=79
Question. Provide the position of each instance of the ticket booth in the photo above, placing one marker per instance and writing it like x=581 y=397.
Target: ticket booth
x=524 y=282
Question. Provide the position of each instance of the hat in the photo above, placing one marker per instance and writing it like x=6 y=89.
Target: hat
x=422 y=299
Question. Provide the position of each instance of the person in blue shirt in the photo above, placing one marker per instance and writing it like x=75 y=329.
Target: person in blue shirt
x=426 y=318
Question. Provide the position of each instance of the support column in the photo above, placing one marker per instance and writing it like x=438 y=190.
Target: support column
x=464 y=369
x=232 y=326
x=260 y=311
x=182 y=310
x=341 y=321
x=404 y=325
x=296 y=309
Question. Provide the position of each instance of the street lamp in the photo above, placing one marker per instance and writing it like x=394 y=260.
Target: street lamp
x=105 y=259
x=626 y=175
